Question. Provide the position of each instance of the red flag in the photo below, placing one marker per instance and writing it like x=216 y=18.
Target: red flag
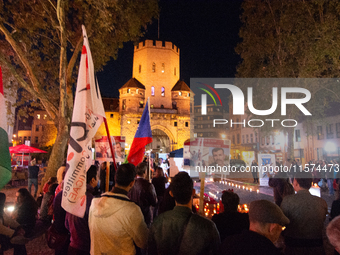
x=143 y=137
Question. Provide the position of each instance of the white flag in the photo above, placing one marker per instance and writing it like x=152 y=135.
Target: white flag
x=88 y=115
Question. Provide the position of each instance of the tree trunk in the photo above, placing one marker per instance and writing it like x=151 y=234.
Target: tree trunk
x=290 y=148
x=58 y=152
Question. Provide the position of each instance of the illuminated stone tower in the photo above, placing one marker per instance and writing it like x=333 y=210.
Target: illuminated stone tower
x=156 y=66
x=155 y=75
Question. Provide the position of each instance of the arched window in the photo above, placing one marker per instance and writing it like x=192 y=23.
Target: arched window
x=153 y=67
x=163 y=92
x=152 y=91
x=163 y=67
x=175 y=71
x=180 y=93
x=128 y=90
x=140 y=68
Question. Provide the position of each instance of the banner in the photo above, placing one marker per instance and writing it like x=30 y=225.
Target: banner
x=266 y=165
x=103 y=152
x=88 y=115
x=206 y=156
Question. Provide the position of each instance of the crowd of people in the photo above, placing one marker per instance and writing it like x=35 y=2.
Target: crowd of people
x=138 y=216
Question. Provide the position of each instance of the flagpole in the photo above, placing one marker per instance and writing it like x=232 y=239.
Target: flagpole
x=112 y=153
x=151 y=143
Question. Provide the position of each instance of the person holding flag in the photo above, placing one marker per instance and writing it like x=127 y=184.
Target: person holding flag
x=88 y=115
x=5 y=157
x=143 y=137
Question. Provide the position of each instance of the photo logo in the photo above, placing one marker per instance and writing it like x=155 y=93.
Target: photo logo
x=238 y=99
x=204 y=97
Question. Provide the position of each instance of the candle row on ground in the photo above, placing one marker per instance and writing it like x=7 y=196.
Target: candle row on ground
x=238 y=186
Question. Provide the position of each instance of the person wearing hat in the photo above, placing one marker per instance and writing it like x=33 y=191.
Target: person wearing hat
x=266 y=224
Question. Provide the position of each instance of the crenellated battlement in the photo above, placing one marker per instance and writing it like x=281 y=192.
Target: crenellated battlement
x=157 y=45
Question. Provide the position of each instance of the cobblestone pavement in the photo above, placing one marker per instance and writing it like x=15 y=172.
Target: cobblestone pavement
x=39 y=246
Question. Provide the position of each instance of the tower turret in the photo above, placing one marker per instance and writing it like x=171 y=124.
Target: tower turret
x=156 y=66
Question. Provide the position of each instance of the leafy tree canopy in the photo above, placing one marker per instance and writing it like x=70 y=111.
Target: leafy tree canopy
x=291 y=39
x=40 y=42
x=31 y=38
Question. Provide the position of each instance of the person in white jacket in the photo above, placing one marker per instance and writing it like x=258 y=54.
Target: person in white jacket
x=117 y=224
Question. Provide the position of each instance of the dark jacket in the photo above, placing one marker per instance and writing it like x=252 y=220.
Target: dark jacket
x=159 y=184
x=59 y=214
x=26 y=216
x=200 y=235
x=143 y=194
x=103 y=179
x=248 y=242
x=79 y=227
x=335 y=210
x=168 y=203
x=33 y=172
x=281 y=188
x=231 y=223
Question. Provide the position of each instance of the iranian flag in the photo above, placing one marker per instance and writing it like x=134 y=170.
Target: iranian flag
x=5 y=157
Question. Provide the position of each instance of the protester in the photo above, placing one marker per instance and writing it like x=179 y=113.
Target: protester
x=61 y=184
x=179 y=231
x=168 y=203
x=159 y=182
x=115 y=222
x=333 y=234
x=60 y=172
x=46 y=209
x=254 y=171
x=266 y=223
x=59 y=215
x=307 y=214
x=143 y=193
x=25 y=211
x=102 y=175
x=335 y=209
x=230 y=221
x=281 y=187
x=10 y=230
x=33 y=172
x=330 y=177
x=50 y=181
x=78 y=227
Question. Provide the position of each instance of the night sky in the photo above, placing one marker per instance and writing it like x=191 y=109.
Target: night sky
x=205 y=31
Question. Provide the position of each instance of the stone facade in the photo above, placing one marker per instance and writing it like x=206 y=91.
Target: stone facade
x=155 y=76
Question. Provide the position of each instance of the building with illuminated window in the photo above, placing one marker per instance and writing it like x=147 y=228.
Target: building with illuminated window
x=155 y=75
